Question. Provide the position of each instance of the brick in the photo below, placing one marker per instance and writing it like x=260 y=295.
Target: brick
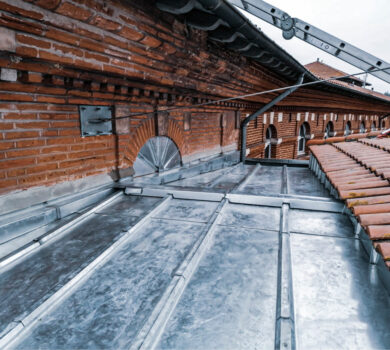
x=77 y=148
x=48 y=4
x=41 y=168
x=21 y=135
x=55 y=58
x=81 y=63
x=151 y=42
x=20 y=11
x=89 y=34
x=30 y=40
x=22 y=153
x=19 y=24
x=68 y=132
x=73 y=11
x=31 y=77
x=14 y=163
x=6 y=145
x=62 y=36
x=50 y=99
x=49 y=133
x=97 y=145
x=8 y=184
x=60 y=141
x=117 y=43
x=72 y=164
x=131 y=34
x=16 y=97
x=97 y=57
x=54 y=149
x=32 y=125
x=16 y=172
x=65 y=124
x=27 y=51
x=79 y=155
x=68 y=50
x=6 y=126
x=91 y=45
x=32 y=179
x=30 y=143
x=51 y=158
x=105 y=23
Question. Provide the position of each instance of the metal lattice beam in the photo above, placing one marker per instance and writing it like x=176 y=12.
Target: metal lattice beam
x=312 y=35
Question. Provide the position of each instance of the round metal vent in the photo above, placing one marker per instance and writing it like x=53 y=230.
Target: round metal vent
x=156 y=155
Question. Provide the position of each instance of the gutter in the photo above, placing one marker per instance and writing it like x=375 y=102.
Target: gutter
x=262 y=110
x=242 y=25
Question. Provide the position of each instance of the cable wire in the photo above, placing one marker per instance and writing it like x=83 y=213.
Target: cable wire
x=243 y=96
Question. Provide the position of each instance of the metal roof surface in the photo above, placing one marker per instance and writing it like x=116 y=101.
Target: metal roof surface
x=247 y=257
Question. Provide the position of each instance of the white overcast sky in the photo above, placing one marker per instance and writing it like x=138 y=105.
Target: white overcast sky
x=363 y=23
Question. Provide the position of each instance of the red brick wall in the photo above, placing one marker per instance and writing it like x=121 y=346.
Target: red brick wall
x=288 y=129
x=56 y=55
x=66 y=53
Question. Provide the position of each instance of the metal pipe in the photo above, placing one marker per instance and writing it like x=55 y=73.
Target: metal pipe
x=262 y=110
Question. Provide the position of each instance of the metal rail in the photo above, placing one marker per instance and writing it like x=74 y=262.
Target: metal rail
x=312 y=35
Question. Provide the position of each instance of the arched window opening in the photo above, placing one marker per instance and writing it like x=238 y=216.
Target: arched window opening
x=373 y=126
x=348 y=129
x=362 y=128
x=383 y=124
x=270 y=142
x=329 y=130
x=158 y=154
x=304 y=133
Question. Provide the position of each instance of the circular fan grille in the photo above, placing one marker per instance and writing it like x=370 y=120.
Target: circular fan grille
x=156 y=155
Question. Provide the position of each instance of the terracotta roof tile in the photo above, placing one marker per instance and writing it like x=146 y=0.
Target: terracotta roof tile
x=332 y=140
x=377 y=232
x=374 y=219
x=364 y=192
x=362 y=184
x=372 y=209
x=368 y=200
x=384 y=250
x=323 y=71
x=359 y=170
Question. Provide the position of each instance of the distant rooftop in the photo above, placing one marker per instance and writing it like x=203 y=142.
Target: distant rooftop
x=324 y=71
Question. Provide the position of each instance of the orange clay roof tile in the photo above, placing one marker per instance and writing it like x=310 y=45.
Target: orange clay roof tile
x=323 y=71
x=384 y=250
x=377 y=232
x=372 y=209
x=374 y=219
x=368 y=200
x=356 y=169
